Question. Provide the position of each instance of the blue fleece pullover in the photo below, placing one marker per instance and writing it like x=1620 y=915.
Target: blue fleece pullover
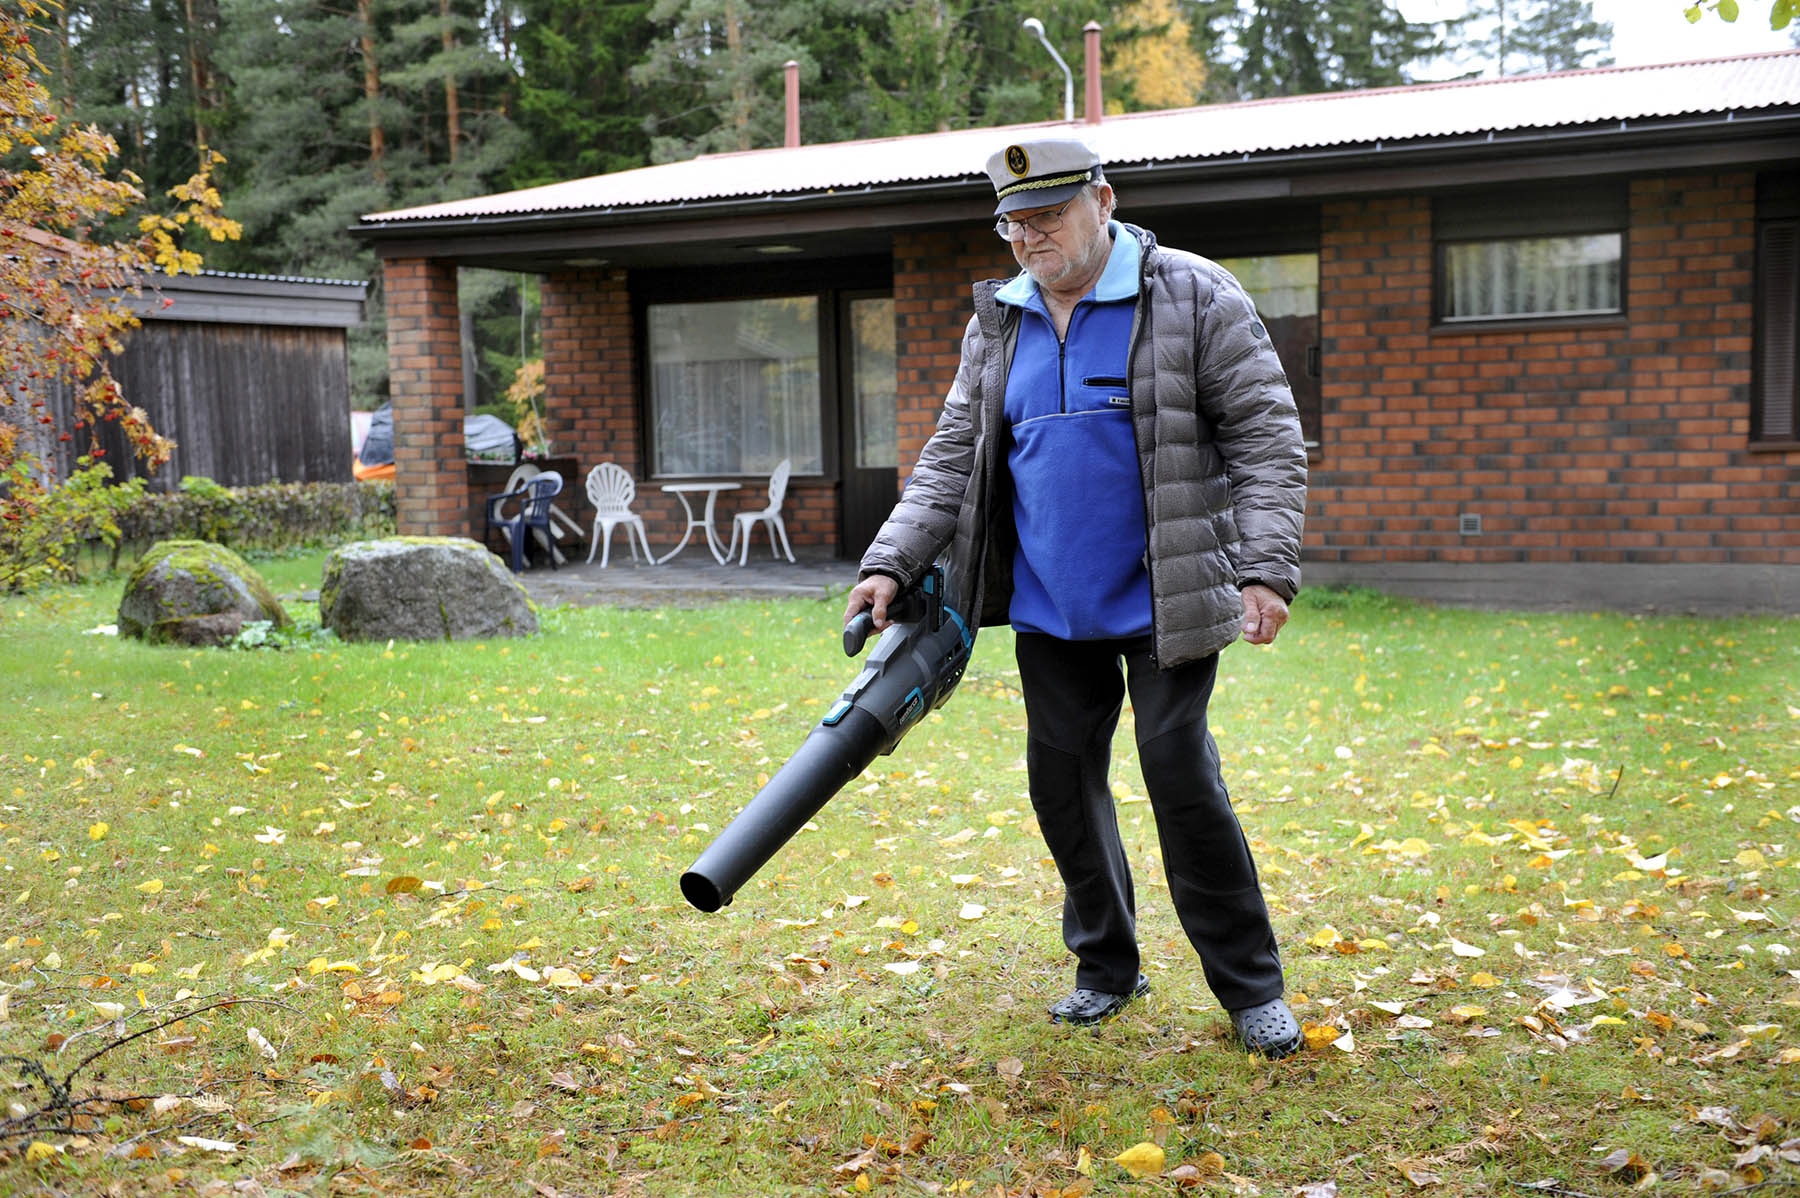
x=1078 y=498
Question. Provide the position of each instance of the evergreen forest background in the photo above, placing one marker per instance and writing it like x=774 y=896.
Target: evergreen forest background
x=328 y=109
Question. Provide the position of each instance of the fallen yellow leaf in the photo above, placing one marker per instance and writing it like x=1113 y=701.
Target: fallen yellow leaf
x=1141 y=1160
x=1320 y=1035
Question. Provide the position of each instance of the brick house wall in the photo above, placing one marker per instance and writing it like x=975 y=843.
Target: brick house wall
x=1621 y=442
x=590 y=369
x=933 y=272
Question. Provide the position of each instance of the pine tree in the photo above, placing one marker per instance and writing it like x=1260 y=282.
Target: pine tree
x=1297 y=47
x=714 y=70
x=1530 y=36
x=919 y=72
x=1212 y=28
x=141 y=72
x=577 y=108
x=1023 y=84
x=335 y=110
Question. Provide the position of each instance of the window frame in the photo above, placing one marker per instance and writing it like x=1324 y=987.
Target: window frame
x=1528 y=213
x=1777 y=206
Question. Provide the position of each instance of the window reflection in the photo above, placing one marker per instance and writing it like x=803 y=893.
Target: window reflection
x=734 y=386
x=1285 y=289
x=873 y=377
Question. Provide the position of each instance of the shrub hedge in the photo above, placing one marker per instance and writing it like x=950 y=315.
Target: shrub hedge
x=260 y=519
x=54 y=532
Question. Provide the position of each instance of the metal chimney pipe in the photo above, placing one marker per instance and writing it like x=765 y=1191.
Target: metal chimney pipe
x=791 y=69
x=1091 y=35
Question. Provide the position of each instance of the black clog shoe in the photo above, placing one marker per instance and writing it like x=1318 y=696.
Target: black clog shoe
x=1094 y=1006
x=1268 y=1028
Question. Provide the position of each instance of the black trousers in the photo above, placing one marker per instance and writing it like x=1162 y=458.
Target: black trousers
x=1073 y=695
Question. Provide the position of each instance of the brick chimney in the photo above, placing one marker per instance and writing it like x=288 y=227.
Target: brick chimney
x=1091 y=35
x=791 y=69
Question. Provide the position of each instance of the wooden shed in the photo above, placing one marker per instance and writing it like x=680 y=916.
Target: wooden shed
x=249 y=375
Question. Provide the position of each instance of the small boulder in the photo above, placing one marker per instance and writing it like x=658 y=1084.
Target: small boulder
x=195 y=593
x=422 y=589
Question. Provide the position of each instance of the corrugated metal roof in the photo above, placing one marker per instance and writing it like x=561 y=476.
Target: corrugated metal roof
x=259 y=278
x=1398 y=114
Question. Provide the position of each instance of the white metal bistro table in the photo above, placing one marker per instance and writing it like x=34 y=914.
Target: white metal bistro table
x=704 y=521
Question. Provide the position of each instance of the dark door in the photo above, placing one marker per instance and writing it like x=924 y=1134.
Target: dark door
x=870 y=452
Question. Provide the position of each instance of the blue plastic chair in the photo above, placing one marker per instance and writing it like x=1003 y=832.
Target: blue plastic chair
x=534 y=513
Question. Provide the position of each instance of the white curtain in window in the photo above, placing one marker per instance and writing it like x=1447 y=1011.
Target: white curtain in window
x=1532 y=276
x=734 y=386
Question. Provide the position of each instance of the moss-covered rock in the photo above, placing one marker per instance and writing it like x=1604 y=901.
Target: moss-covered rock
x=195 y=593
x=422 y=589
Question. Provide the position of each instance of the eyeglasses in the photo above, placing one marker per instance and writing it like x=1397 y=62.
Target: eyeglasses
x=1043 y=222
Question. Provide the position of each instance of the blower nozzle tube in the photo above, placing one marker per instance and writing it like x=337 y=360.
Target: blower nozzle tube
x=827 y=760
x=912 y=670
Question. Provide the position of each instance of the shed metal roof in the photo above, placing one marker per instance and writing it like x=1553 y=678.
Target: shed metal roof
x=228 y=297
x=1710 y=87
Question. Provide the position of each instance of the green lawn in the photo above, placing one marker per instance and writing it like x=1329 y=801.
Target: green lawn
x=1535 y=879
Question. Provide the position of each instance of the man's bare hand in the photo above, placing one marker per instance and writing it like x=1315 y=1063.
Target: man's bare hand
x=873 y=593
x=1264 y=614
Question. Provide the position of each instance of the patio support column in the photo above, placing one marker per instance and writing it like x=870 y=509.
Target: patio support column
x=425 y=381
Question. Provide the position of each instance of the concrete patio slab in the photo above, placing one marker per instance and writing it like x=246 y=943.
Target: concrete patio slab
x=690 y=580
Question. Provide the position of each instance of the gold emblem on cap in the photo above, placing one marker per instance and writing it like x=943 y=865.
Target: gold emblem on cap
x=1017 y=161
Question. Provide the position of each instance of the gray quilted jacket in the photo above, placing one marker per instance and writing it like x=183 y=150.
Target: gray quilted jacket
x=1219 y=448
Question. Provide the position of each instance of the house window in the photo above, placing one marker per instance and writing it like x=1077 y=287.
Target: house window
x=1530 y=254
x=874 y=381
x=1532 y=276
x=734 y=386
x=1775 y=378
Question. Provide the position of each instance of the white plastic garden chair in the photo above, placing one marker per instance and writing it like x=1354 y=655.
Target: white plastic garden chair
x=744 y=523
x=610 y=489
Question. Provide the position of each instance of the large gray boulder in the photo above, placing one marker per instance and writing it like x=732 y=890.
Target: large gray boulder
x=195 y=593
x=422 y=589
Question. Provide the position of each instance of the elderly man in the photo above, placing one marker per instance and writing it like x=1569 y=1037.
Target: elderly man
x=1118 y=472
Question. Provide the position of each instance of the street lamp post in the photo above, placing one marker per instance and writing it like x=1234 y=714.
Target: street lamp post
x=1035 y=27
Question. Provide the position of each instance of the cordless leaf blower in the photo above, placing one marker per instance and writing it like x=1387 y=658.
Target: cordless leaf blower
x=913 y=669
